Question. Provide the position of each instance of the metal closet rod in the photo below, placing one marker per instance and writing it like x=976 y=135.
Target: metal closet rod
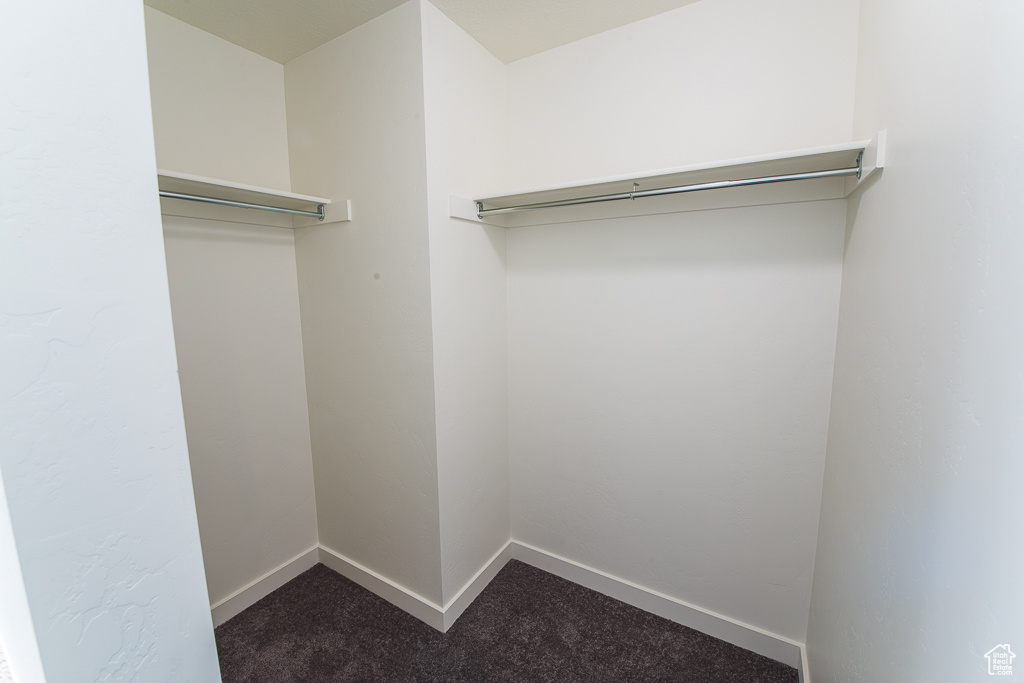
x=318 y=214
x=636 y=194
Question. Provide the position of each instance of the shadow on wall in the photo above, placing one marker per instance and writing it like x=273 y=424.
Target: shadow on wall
x=779 y=235
x=854 y=205
x=225 y=231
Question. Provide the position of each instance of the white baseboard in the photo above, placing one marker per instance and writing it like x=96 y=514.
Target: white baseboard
x=442 y=618
x=465 y=597
x=423 y=609
x=731 y=631
x=255 y=591
x=404 y=599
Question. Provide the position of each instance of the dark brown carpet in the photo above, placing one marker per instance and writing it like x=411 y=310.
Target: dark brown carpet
x=527 y=625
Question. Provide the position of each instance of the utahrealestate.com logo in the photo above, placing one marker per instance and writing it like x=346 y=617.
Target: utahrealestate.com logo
x=1000 y=660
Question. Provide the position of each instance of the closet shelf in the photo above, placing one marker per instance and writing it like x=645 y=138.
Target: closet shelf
x=827 y=172
x=183 y=194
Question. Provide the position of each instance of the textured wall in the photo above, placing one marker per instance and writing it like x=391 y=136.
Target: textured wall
x=219 y=110
x=669 y=376
x=919 y=567
x=94 y=461
x=464 y=96
x=356 y=131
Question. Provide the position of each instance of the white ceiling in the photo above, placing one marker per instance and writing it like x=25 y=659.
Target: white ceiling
x=511 y=29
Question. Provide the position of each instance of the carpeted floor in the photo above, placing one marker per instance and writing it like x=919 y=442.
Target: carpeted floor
x=527 y=625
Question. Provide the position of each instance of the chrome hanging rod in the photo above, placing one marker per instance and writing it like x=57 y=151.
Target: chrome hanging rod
x=637 y=194
x=318 y=214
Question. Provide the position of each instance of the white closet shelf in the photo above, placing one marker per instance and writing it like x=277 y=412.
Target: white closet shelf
x=869 y=153
x=224 y=190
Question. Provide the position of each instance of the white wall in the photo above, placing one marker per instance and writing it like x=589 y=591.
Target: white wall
x=219 y=109
x=714 y=80
x=464 y=95
x=94 y=463
x=669 y=385
x=918 y=572
x=236 y=324
x=356 y=131
x=669 y=376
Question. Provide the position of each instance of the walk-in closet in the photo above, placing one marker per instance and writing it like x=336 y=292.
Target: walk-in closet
x=713 y=311
x=637 y=388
